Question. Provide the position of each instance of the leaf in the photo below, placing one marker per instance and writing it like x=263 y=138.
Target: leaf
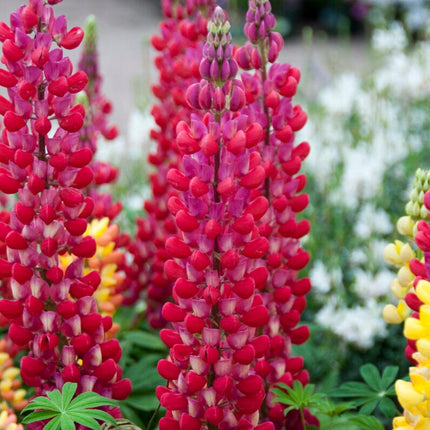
x=369 y=407
x=367 y=423
x=87 y=421
x=96 y=414
x=145 y=340
x=56 y=398
x=387 y=407
x=389 y=375
x=90 y=400
x=41 y=402
x=54 y=424
x=66 y=423
x=145 y=402
x=68 y=391
x=39 y=416
x=352 y=389
x=371 y=375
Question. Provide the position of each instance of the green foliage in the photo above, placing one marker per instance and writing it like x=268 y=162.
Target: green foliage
x=374 y=393
x=64 y=409
x=364 y=397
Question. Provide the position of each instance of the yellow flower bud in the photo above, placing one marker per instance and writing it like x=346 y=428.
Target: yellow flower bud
x=423 y=291
x=405 y=225
x=398 y=291
x=3 y=357
x=391 y=255
x=5 y=385
x=406 y=253
x=405 y=276
x=414 y=329
x=11 y=373
x=423 y=346
x=407 y=395
x=19 y=395
x=391 y=315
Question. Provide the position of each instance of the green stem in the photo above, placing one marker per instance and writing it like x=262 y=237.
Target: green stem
x=302 y=416
x=148 y=427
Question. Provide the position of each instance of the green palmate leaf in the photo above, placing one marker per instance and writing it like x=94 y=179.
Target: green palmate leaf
x=352 y=389
x=68 y=391
x=90 y=400
x=41 y=403
x=94 y=413
x=367 y=423
x=56 y=398
x=145 y=340
x=387 y=407
x=39 y=416
x=371 y=375
x=369 y=407
x=54 y=424
x=66 y=423
x=389 y=376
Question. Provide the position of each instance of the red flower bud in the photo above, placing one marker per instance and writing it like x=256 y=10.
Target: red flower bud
x=7 y=79
x=121 y=389
x=77 y=82
x=72 y=122
x=21 y=273
x=72 y=39
x=71 y=373
x=42 y=125
x=258 y=316
x=59 y=87
x=86 y=248
x=24 y=213
x=168 y=370
x=14 y=240
x=10 y=308
x=13 y=122
x=20 y=335
x=177 y=248
x=11 y=51
x=81 y=157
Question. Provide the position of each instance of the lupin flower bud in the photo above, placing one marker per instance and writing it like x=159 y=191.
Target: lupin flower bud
x=46 y=307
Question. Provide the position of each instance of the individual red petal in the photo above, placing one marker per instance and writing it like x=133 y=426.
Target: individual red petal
x=7 y=79
x=290 y=319
x=26 y=90
x=11 y=51
x=299 y=203
x=173 y=401
x=83 y=177
x=13 y=122
x=168 y=424
x=121 y=389
x=244 y=288
x=244 y=355
x=199 y=260
x=209 y=145
x=91 y=322
x=186 y=144
x=289 y=89
x=256 y=248
x=21 y=273
x=209 y=354
x=302 y=150
x=295 y=73
x=40 y=56
x=177 y=248
x=298 y=261
x=254 y=135
x=173 y=313
x=254 y=178
x=5 y=268
x=174 y=270
x=214 y=415
x=298 y=119
x=197 y=187
x=14 y=240
x=194 y=324
x=59 y=87
x=250 y=404
x=73 y=38
x=71 y=373
x=23 y=158
x=72 y=122
x=226 y=187
x=257 y=208
x=230 y=259
x=24 y=213
x=11 y=308
x=188 y=422
x=170 y=337
x=110 y=349
x=77 y=82
x=76 y=227
x=5 y=32
x=106 y=371
x=20 y=335
x=29 y=18
x=80 y=158
x=258 y=316
x=32 y=366
x=49 y=246
x=299 y=335
x=185 y=289
x=5 y=105
x=35 y=183
x=168 y=370
x=251 y=385
x=71 y=197
x=86 y=248
x=212 y=229
x=178 y=180
x=236 y=145
x=54 y=274
x=272 y=99
x=42 y=125
x=261 y=345
x=81 y=343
